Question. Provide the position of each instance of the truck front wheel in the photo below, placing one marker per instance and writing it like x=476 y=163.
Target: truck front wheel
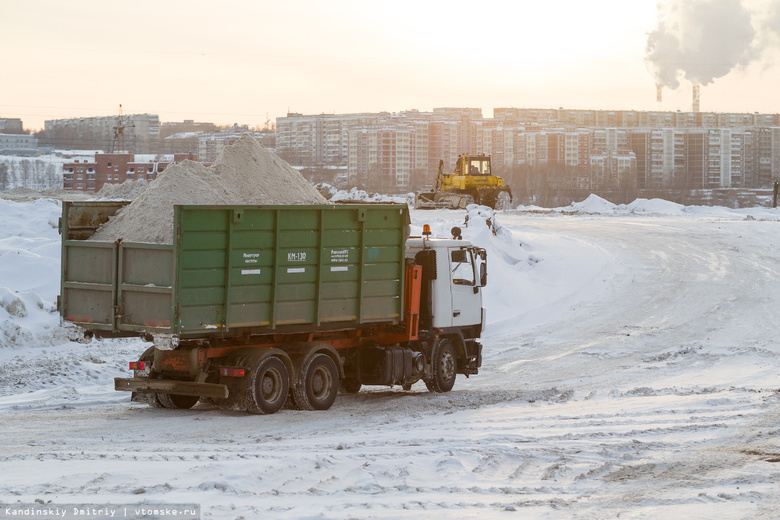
x=318 y=384
x=444 y=367
x=268 y=386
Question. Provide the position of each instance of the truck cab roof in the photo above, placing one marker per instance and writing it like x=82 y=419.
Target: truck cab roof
x=421 y=243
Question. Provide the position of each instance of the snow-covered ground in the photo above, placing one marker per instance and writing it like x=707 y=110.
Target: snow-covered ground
x=630 y=370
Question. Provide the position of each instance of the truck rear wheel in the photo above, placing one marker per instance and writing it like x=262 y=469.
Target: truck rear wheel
x=268 y=386
x=318 y=384
x=351 y=385
x=178 y=402
x=444 y=367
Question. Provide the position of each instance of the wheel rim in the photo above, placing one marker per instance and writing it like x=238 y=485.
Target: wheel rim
x=271 y=385
x=447 y=365
x=321 y=383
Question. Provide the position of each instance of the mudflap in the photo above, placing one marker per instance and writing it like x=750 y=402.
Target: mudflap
x=473 y=358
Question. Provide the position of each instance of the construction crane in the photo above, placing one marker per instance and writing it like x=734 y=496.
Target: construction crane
x=118 y=141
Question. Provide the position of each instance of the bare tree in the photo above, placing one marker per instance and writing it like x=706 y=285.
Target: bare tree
x=12 y=175
x=4 y=176
x=53 y=180
x=25 y=173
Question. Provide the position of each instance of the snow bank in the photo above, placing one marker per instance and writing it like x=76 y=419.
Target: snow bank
x=653 y=207
x=29 y=273
x=356 y=195
x=595 y=205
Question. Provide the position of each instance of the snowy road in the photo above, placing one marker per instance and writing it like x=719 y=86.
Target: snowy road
x=630 y=369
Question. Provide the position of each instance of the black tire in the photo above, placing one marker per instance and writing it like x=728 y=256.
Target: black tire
x=318 y=384
x=487 y=198
x=268 y=385
x=178 y=402
x=350 y=385
x=444 y=367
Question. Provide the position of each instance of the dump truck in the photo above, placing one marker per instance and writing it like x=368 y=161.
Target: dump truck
x=256 y=308
x=471 y=182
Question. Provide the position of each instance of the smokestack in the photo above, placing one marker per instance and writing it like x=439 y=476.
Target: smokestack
x=696 y=98
x=659 y=94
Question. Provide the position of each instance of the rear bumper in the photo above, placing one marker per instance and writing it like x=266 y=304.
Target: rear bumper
x=167 y=386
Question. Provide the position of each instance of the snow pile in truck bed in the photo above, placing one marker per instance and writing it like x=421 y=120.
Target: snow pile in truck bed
x=244 y=173
x=127 y=190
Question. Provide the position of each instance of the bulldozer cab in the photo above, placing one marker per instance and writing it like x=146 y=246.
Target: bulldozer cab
x=473 y=165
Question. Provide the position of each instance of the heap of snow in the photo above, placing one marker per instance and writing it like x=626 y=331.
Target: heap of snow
x=127 y=190
x=483 y=229
x=29 y=273
x=509 y=260
x=354 y=194
x=655 y=207
x=593 y=204
x=244 y=173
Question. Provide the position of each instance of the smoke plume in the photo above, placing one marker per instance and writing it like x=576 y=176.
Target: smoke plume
x=702 y=40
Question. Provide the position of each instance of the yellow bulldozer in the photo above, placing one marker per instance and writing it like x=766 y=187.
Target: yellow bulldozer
x=471 y=182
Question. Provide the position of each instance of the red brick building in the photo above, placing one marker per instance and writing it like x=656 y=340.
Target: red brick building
x=113 y=168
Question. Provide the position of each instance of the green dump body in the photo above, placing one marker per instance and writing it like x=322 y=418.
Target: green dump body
x=237 y=270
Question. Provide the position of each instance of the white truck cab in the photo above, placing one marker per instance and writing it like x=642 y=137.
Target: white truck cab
x=455 y=271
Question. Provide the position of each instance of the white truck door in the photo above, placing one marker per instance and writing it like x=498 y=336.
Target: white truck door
x=466 y=298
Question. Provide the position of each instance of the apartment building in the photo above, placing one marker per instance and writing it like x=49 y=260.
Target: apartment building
x=700 y=158
x=323 y=139
x=18 y=144
x=337 y=140
x=634 y=118
x=382 y=156
x=661 y=150
x=11 y=125
x=114 y=168
x=141 y=133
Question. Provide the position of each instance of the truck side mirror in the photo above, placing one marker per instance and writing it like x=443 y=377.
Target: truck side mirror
x=483 y=274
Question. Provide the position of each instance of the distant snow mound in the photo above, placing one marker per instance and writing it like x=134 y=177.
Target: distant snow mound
x=655 y=206
x=244 y=173
x=593 y=204
x=127 y=190
x=363 y=196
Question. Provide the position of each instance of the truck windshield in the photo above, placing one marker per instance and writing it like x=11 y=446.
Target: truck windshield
x=462 y=267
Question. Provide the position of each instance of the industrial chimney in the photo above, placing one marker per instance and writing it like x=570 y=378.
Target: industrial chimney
x=696 y=99
x=659 y=94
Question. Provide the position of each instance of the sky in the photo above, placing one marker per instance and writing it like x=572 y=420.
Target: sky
x=250 y=61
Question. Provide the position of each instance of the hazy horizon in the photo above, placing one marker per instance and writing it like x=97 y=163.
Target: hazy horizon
x=260 y=60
